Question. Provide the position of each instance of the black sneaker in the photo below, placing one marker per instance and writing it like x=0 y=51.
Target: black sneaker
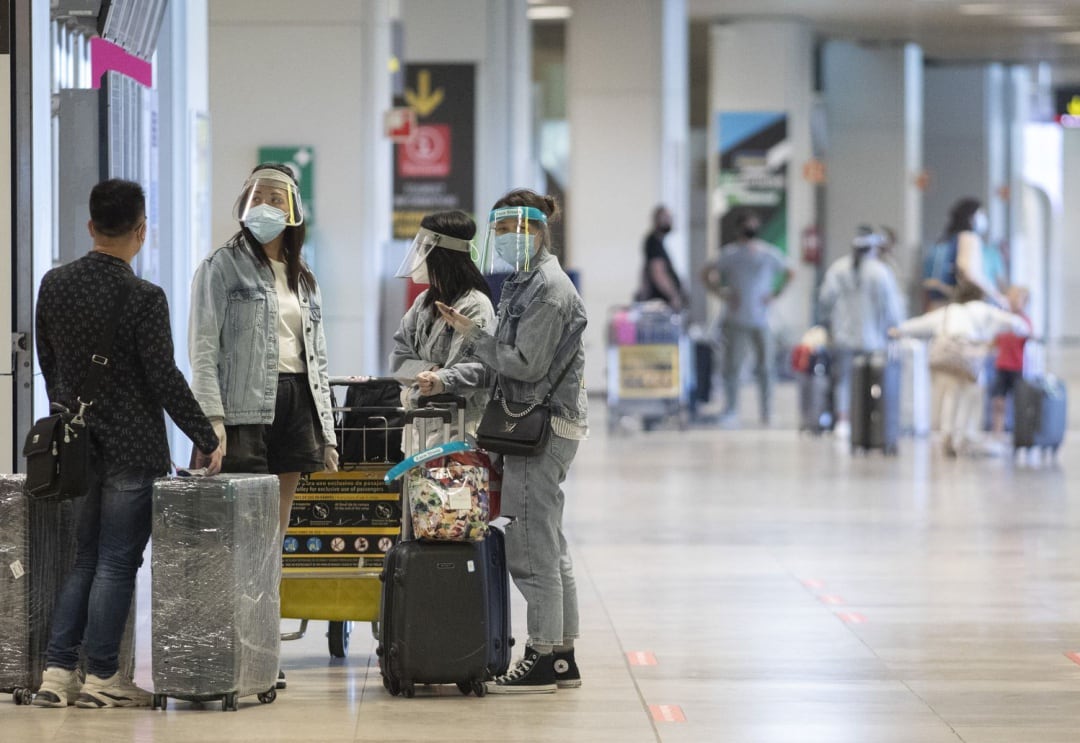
x=533 y=674
x=567 y=675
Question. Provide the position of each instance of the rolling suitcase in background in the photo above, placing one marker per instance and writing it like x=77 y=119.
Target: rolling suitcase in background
x=37 y=548
x=445 y=615
x=215 y=574
x=815 y=394
x=875 y=403
x=1041 y=414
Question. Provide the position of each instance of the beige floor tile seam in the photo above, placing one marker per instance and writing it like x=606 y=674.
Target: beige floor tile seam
x=850 y=628
x=581 y=560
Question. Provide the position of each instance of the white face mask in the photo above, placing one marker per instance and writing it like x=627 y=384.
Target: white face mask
x=265 y=222
x=980 y=225
x=419 y=274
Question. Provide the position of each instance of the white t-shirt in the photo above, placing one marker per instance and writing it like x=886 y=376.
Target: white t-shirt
x=290 y=328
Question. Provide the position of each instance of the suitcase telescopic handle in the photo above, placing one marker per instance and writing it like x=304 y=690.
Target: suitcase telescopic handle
x=446 y=416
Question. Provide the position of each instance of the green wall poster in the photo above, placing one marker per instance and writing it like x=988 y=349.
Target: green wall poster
x=753 y=151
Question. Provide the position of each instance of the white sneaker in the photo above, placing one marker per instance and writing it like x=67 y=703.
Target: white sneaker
x=115 y=691
x=842 y=430
x=59 y=688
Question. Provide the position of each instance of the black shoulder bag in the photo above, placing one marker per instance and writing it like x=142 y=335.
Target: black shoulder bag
x=57 y=448
x=515 y=428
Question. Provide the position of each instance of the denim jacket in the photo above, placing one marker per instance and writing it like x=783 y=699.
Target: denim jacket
x=538 y=311
x=233 y=342
x=424 y=341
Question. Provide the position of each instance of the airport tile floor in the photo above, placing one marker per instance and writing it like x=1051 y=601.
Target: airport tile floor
x=747 y=586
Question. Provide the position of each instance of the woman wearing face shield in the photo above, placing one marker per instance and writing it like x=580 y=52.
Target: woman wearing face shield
x=536 y=339
x=426 y=348
x=256 y=343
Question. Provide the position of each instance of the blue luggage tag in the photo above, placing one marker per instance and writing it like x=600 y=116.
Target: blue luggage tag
x=416 y=460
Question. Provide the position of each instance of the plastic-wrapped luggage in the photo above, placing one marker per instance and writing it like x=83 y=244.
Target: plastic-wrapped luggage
x=37 y=548
x=875 y=403
x=445 y=615
x=914 y=386
x=216 y=568
x=1041 y=410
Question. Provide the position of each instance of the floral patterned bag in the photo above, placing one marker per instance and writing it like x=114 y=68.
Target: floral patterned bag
x=449 y=497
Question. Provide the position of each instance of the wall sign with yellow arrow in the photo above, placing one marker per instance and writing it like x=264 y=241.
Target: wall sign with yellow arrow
x=435 y=168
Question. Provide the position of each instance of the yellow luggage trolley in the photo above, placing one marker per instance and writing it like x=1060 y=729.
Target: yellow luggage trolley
x=341 y=527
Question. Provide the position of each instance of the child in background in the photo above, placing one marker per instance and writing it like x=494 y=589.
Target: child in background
x=1009 y=367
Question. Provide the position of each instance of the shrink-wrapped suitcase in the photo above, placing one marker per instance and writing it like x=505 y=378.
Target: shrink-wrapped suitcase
x=216 y=570
x=37 y=547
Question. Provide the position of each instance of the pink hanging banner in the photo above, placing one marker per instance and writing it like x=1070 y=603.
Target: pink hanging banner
x=106 y=56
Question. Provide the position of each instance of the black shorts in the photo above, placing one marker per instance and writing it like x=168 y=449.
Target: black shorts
x=292 y=443
x=1004 y=382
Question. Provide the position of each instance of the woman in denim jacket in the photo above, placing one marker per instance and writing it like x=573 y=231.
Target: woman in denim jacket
x=540 y=321
x=426 y=349
x=257 y=348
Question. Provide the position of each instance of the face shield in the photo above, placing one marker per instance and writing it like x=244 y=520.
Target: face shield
x=514 y=237
x=871 y=241
x=271 y=188
x=414 y=265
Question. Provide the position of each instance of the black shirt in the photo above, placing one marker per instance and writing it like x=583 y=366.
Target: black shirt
x=654 y=248
x=127 y=424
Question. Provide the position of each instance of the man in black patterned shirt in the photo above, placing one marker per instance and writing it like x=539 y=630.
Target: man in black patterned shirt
x=127 y=429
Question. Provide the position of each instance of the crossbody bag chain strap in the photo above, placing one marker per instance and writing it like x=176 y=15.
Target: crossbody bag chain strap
x=547 y=398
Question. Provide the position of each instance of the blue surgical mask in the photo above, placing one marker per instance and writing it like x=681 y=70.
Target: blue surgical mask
x=509 y=247
x=265 y=222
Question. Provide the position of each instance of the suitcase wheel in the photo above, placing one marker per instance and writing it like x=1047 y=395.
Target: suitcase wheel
x=338 y=639
x=22 y=696
x=229 y=702
x=268 y=697
x=479 y=688
x=159 y=701
x=465 y=687
x=409 y=690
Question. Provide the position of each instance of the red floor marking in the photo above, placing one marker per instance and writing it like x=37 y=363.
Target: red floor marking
x=1074 y=657
x=813 y=583
x=831 y=599
x=667 y=713
x=641 y=658
x=851 y=617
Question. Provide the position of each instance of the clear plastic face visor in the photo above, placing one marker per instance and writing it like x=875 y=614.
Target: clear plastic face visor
x=515 y=236
x=872 y=241
x=425 y=241
x=273 y=188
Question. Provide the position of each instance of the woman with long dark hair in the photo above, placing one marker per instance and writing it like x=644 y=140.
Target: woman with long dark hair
x=427 y=351
x=958 y=256
x=258 y=352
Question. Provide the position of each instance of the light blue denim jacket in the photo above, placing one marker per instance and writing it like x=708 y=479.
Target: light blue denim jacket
x=538 y=311
x=424 y=341
x=233 y=341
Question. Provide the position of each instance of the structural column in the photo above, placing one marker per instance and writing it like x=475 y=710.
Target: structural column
x=628 y=113
x=767 y=68
x=874 y=111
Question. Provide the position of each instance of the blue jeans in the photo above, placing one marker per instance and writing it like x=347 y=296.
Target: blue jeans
x=536 y=550
x=113 y=526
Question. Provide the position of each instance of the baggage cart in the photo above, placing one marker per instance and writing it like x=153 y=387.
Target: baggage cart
x=343 y=523
x=649 y=365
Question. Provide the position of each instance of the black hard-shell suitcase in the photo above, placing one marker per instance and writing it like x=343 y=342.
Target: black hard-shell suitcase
x=703 y=371
x=875 y=403
x=1041 y=410
x=816 y=395
x=215 y=573
x=445 y=610
x=445 y=615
